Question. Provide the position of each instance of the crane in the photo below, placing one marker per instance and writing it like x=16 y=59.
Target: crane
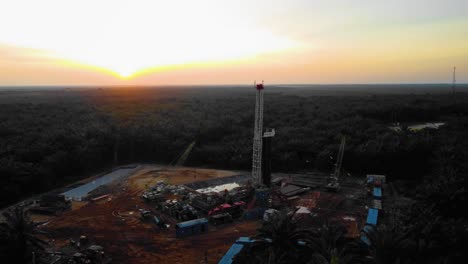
x=180 y=160
x=333 y=183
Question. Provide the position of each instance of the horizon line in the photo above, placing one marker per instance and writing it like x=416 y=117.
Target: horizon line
x=243 y=84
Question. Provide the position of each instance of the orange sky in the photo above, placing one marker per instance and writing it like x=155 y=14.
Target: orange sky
x=150 y=42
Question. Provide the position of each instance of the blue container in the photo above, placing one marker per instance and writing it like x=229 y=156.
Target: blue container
x=372 y=216
x=232 y=252
x=377 y=193
x=235 y=249
x=191 y=227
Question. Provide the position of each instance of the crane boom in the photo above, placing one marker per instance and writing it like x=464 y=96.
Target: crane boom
x=333 y=184
x=183 y=157
x=339 y=160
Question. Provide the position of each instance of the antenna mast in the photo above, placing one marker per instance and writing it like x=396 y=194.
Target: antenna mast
x=258 y=133
x=454 y=83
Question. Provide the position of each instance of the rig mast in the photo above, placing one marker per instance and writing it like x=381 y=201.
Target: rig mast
x=258 y=133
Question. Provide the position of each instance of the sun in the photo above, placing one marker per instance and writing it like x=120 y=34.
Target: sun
x=138 y=53
x=126 y=73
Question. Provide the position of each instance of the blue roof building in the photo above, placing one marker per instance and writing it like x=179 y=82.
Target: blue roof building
x=191 y=227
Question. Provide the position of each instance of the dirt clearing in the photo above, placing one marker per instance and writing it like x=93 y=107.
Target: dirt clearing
x=115 y=223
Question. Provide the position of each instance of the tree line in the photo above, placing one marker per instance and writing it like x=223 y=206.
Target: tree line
x=54 y=138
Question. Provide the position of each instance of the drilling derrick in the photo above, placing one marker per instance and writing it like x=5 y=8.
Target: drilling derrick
x=258 y=133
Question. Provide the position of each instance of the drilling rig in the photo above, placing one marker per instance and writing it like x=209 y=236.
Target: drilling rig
x=258 y=133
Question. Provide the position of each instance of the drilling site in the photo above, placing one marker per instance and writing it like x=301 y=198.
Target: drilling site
x=146 y=213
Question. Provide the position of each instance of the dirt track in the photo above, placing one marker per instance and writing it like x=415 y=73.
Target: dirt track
x=115 y=224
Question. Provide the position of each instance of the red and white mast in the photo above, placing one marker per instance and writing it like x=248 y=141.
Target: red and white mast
x=258 y=132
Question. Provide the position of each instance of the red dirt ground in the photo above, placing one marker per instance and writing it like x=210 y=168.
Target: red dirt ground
x=115 y=224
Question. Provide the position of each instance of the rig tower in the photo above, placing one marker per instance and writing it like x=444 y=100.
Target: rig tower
x=258 y=133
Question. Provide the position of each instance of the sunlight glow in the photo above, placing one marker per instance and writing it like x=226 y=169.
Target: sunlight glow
x=148 y=42
x=131 y=36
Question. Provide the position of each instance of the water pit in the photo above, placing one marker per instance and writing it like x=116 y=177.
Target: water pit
x=82 y=191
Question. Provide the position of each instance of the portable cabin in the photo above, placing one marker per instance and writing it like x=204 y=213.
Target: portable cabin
x=372 y=216
x=191 y=227
x=377 y=193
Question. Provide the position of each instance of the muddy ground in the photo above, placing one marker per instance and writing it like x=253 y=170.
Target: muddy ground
x=115 y=223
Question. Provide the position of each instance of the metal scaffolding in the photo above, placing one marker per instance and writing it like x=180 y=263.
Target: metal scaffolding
x=258 y=133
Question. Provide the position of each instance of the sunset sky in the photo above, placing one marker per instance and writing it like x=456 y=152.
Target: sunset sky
x=152 y=42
